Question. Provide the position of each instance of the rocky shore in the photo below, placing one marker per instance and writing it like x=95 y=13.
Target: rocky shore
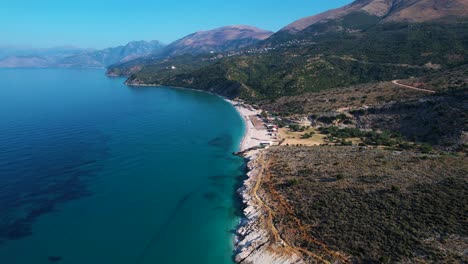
x=254 y=241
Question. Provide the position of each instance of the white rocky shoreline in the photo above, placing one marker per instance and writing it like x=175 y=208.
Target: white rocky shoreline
x=252 y=242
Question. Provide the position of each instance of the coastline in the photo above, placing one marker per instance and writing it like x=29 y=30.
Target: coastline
x=252 y=136
x=253 y=239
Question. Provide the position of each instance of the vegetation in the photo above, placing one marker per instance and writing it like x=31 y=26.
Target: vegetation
x=373 y=138
x=297 y=128
x=330 y=100
x=372 y=205
x=343 y=53
x=307 y=135
x=438 y=120
x=343 y=132
x=370 y=94
x=450 y=79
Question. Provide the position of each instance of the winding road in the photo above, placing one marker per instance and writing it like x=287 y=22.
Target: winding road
x=411 y=87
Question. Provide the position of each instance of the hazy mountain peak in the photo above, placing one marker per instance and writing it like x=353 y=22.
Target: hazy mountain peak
x=218 y=39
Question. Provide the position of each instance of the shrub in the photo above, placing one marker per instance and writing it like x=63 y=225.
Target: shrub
x=293 y=182
x=308 y=135
x=425 y=148
x=346 y=143
x=297 y=128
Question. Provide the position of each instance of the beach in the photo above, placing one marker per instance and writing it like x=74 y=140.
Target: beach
x=253 y=135
x=253 y=242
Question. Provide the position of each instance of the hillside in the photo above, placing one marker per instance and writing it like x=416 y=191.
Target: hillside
x=371 y=205
x=276 y=74
x=367 y=95
x=388 y=11
x=332 y=60
x=353 y=47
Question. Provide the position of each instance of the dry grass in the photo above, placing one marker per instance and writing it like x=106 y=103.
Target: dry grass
x=294 y=138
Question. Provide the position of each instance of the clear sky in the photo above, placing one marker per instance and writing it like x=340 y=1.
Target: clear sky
x=105 y=23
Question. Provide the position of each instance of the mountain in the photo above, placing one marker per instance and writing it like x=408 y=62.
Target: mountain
x=76 y=58
x=217 y=40
x=366 y=41
x=389 y=11
x=109 y=56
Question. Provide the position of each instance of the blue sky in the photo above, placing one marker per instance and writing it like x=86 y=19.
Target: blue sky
x=105 y=23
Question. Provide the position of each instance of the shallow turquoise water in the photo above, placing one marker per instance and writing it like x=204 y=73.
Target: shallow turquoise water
x=92 y=171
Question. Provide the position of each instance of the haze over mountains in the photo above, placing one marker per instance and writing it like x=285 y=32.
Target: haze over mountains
x=65 y=57
x=217 y=40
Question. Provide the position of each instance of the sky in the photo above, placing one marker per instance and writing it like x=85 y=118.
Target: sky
x=105 y=23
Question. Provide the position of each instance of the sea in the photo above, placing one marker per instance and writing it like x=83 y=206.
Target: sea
x=94 y=171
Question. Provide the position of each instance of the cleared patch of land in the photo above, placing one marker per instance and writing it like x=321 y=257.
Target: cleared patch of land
x=374 y=205
x=300 y=138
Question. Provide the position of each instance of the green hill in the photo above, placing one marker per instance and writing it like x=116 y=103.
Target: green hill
x=331 y=58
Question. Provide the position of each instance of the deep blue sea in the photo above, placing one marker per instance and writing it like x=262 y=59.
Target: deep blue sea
x=93 y=171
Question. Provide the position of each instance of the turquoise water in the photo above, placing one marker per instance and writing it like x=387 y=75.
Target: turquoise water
x=92 y=171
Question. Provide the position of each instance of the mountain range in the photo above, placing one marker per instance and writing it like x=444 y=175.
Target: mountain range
x=217 y=40
x=365 y=41
x=64 y=57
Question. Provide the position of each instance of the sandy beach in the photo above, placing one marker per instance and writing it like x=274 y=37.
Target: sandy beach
x=252 y=243
x=253 y=136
